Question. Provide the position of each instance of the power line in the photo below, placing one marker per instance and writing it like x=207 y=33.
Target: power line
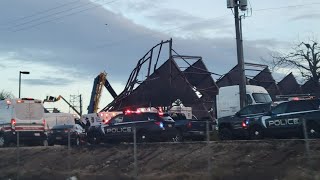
x=57 y=13
x=42 y=11
x=285 y=7
x=52 y=14
x=21 y=24
x=179 y=27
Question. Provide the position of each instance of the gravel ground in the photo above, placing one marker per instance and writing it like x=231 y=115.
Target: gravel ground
x=263 y=160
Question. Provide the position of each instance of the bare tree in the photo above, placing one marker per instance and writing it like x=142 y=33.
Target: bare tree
x=305 y=57
x=5 y=94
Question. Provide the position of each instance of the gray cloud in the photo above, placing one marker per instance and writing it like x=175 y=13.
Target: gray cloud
x=48 y=81
x=172 y=17
x=312 y=16
x=83 y=44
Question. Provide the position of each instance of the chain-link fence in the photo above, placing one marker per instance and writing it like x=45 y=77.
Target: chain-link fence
x=209 y=159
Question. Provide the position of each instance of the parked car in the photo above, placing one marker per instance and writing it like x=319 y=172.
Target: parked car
x=150 y=126
x=233 y=127
x=59 y=134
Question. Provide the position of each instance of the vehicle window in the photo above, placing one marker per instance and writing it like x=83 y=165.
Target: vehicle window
x=132 y=117
x=152 y=116
x=261 y=98
x=62 y=127
x=262 y=108
x=295 y=106
x=117 y=119
x=281 y=108
x=248 y=99
x=245 y=110
x=254 y=109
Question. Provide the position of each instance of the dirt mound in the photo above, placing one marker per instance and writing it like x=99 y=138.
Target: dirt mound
x=263 y=160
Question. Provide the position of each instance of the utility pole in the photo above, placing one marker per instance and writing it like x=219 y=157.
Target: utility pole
x=242 y=5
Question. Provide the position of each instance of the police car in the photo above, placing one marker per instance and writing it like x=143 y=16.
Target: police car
x=149 y=125
x=286 y=120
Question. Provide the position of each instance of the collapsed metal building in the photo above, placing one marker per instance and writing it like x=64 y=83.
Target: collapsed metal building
x=165 y=83
x=266 y=80
x=263 y=78
x=289 y=85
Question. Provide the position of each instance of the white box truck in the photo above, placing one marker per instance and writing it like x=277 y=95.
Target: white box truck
x=228 y=99
x=24 y=116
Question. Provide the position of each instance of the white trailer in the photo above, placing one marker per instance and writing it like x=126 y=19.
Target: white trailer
x=53 y=119
x=228 y=99
x=25 y=117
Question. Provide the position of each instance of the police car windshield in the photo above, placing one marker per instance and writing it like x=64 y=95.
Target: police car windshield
x=261 y=98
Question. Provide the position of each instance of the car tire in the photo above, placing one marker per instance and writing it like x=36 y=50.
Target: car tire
x=94 y=140
x=2 y=141
x=256 y=133
x=225 y=134
x=178 y=137
x=142 y=137
x=313 y=130
x=50 y=143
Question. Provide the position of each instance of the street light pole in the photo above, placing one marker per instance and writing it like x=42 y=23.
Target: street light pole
x=21 y=72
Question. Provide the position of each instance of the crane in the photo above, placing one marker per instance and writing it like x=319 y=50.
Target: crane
x=98 y=83
x=54 y=99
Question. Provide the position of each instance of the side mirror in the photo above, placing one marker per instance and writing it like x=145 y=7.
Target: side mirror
x=237 y=114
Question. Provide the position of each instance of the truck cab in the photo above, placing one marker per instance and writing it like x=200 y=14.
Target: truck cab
x=228 y=99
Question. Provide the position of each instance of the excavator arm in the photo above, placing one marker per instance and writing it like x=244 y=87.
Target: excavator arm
x=98 y=83
x=55 y=99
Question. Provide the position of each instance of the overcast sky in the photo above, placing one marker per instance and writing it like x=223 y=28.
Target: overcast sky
x=66 y=43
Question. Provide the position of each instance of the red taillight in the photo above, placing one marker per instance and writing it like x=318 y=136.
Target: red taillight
x=13 y=123
x=189 y=125
x=160 y=113
x=44 y=122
